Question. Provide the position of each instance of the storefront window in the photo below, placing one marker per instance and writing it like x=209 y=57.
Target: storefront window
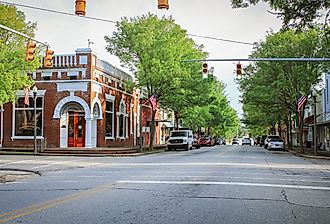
x=24 y=117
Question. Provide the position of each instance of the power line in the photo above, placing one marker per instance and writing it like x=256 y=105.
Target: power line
x=226 y=40
x=56 y=11
x=111 y=21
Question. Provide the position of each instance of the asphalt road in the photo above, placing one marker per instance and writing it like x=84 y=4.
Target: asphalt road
x=222 y=184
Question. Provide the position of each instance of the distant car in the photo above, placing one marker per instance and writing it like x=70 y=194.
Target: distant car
x=206 y=141
x=246 y=141
x=274 y=142
x=196 y=142
x=262 y=140
x=257 y=141
x=235 y=141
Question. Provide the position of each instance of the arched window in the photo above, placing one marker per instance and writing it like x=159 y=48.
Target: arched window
x=122 y=121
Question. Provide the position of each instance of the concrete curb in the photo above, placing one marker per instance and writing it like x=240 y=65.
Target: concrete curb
x=85 y=155
x=13 y=174
x=308 y=156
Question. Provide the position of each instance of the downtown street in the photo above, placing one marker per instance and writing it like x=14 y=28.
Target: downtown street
x=220 y=184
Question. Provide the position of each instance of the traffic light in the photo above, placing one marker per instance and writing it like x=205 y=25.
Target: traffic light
x=239 y=69
x=80 y=7
x=163 y=4
x=205 y=69
x=30 y=50
x=48 y=60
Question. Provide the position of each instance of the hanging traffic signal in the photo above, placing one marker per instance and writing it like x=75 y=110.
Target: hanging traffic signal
x=239 y=69
x=48 y=60
x=30 y=50
x=163 y=4
x=80 y=7
x=205 y=69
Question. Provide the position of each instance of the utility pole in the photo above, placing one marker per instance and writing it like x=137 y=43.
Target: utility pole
x=314 y=131
x=140 y=126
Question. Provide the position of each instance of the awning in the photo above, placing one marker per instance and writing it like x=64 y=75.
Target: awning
x=309 y=120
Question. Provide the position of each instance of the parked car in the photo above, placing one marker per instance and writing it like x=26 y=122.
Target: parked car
x=246 y=141
x=218 y=141
x=180 y=139
x=274 y=142
x=262 y=140
x=196 y=142
x=257 y=140
x=206 y=141
x=235 y=141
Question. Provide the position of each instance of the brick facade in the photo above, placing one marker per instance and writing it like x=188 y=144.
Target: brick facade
x=81 y=103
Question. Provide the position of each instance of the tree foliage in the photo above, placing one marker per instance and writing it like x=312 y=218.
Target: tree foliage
x=13 y=67
x=299 y=13
x=155 y=49
x=270 y=89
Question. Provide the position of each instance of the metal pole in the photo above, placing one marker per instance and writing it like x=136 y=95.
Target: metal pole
x=258 y=59
x=140 y=121
x=22 y=34
x=314 y=132
x=35 y=122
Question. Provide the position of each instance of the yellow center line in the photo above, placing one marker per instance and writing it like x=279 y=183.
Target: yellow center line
x=51 y=203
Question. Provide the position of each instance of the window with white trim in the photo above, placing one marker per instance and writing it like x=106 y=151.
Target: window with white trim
x=122 y=121
x=109 y=119
x=24 y=117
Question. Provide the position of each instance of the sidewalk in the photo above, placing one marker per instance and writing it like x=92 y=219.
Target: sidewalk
x=309 y=153
x=98 y=151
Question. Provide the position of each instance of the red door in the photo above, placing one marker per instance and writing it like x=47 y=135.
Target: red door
x=76 y=132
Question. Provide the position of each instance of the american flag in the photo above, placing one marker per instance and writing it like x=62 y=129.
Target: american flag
x=26 y=96
x=301 y=102
x=153 y=102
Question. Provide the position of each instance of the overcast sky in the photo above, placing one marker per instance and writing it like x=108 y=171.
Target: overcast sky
x=214 y=18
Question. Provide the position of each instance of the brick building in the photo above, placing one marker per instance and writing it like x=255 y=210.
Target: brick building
x=80 y=102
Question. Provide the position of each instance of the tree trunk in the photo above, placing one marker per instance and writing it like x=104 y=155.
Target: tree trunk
x=288 y=131
x=152 y=130
x=301 y=131
x=279 y=128
x=176 y=118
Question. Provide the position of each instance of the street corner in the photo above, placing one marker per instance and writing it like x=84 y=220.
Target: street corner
x=12 y=175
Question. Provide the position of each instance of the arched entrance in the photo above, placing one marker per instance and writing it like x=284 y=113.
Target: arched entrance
x=75 y=122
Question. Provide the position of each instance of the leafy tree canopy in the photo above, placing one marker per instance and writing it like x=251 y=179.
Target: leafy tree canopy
x=13 y=67
x=296 y=13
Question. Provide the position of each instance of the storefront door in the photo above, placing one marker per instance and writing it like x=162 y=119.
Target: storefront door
x=76 y=129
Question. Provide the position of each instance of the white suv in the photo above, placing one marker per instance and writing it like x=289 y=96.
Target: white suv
x=180 y=139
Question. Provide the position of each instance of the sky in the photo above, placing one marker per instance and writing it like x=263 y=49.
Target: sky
x=213 y=18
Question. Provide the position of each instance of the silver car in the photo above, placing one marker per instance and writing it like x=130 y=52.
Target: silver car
x=274 y=142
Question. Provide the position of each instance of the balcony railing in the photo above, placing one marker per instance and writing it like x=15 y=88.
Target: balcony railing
x=63 y=61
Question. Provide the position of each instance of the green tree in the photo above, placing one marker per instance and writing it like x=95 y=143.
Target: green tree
x=271 y=88
x=154 y=48
x=300 y=13
x=13 y=67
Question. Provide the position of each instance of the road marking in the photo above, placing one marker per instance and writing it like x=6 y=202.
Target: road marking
x=5 y=217
x=225 y=183
x=227 y=177
x=254 y=165
x=57 y=163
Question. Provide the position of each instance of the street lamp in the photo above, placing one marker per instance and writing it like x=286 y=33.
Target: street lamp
x=314 y=93
x=35 y=91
